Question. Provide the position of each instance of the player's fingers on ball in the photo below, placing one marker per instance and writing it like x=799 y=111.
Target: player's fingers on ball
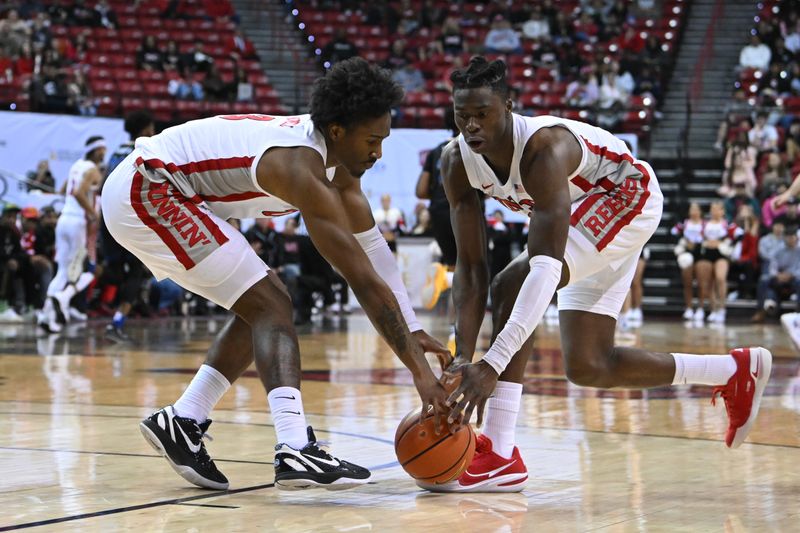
x=481 y=407
x=455 y=396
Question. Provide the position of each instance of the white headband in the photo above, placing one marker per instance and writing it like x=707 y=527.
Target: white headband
x=99 y=143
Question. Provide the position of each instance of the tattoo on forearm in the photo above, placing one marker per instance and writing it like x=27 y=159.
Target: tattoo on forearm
x=392 y=327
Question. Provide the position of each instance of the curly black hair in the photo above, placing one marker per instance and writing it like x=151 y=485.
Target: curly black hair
x=137 y=121
x=351 y=92
x=482 y=73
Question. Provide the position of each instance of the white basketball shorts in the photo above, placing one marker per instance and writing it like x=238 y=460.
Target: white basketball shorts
x=178 y=239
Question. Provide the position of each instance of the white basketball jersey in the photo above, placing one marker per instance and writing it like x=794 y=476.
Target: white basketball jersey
x=76 y=173
x=214 y=160
x=607 y=190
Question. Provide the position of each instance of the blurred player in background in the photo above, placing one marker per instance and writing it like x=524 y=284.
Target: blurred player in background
x=71 y=236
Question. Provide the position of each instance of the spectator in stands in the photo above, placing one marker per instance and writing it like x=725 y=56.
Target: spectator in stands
x=6 y=66
x=687 y=252
x=171 y=59
x=398 y=56
x=793 y=140
x=287 y=254
x=40 y=32
x=783 y=278
x=536 y=27
x=768 y=247
x=80 y=51
x=409 y=77
x=149 y=56
x=41 y=179
x=263 y=238
x=339 y=49
x=612 y=101
x=584 y=91
x=240 y=46
x=214 y=87
x=14 y=32
x=40 y=259
x=735 y=112
x=196 y=59
x=622 y=79
x=80 y=95
x=647 y=84
x=423 y=225
x=744 y=258
x=105 y=15
x=763 y=136
x=390 y=221
x=570 y=64
x=502 y=39
x=740 y=162
x=49 y=92
x=755 y=55
x=185 y=87
x=12 y=258
x=241 y=88
x=739 y=198
x=451 y=41
x=561 y=30
x=775 y=174
x=79 y=14
x=585 y=28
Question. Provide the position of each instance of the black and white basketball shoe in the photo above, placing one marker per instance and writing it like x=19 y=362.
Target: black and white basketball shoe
x=180 y=441
x=313 y=467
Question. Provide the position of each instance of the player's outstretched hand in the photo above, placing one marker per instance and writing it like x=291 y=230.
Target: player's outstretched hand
x=431 y=345
x=478 y=381
x=433 y=397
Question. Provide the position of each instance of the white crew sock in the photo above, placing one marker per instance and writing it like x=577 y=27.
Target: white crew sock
x=703 y=369
x=202 y=394
x=500 y=421
x=288 y=416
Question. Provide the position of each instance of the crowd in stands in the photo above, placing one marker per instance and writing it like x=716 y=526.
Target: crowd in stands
x=595 y=59
x=758 y=139
x=49 y=52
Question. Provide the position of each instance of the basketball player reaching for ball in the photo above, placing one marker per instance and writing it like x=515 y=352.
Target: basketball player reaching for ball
x=167 y=203
x=71 y=232
x=593 y=206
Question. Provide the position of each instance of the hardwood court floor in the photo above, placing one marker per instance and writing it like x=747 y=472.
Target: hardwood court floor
x=72 y=458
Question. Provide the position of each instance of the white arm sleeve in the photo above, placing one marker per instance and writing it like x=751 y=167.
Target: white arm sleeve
x=385 y=264
x=534 y=296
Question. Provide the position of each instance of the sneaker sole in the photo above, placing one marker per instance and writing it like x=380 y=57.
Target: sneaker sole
x=184 y=471
x=506 y=483
x=761 y=383
x=304 y=484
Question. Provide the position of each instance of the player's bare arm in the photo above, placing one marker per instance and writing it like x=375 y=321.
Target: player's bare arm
x=298 y=176
x=90 y=179
x=792 y=192
x=471 y=277
x=423 y=185
x=551 y=155
x=359 y=213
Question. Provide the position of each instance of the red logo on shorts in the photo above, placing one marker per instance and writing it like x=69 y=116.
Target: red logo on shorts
x=619 y=199
x=175 y=215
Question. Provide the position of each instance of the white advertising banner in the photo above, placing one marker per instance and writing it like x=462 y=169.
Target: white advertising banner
x=27 y=138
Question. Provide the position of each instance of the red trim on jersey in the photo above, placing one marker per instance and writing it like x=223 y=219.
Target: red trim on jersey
x=205 y=165
x=603 y=151
x=235 y=197
x=278 y=213
x=217 y=233
x=587 y=204
x=633 y=213
x=582 y=183
x=607 y=184
x=166 y=237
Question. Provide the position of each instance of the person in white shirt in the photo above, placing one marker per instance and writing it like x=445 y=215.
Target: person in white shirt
x=755 y=55
x=389 y=221
x=502 y=39
x=763 y=136
x=536 y=27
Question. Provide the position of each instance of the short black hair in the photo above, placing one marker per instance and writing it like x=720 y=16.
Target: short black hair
x=353 y=91
x=138 y=121
x=482 y=73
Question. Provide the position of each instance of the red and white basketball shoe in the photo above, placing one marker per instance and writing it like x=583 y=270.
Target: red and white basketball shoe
x=742 y=393
x=488 y=472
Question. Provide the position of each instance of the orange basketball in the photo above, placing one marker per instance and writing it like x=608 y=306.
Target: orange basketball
x=429 y=457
